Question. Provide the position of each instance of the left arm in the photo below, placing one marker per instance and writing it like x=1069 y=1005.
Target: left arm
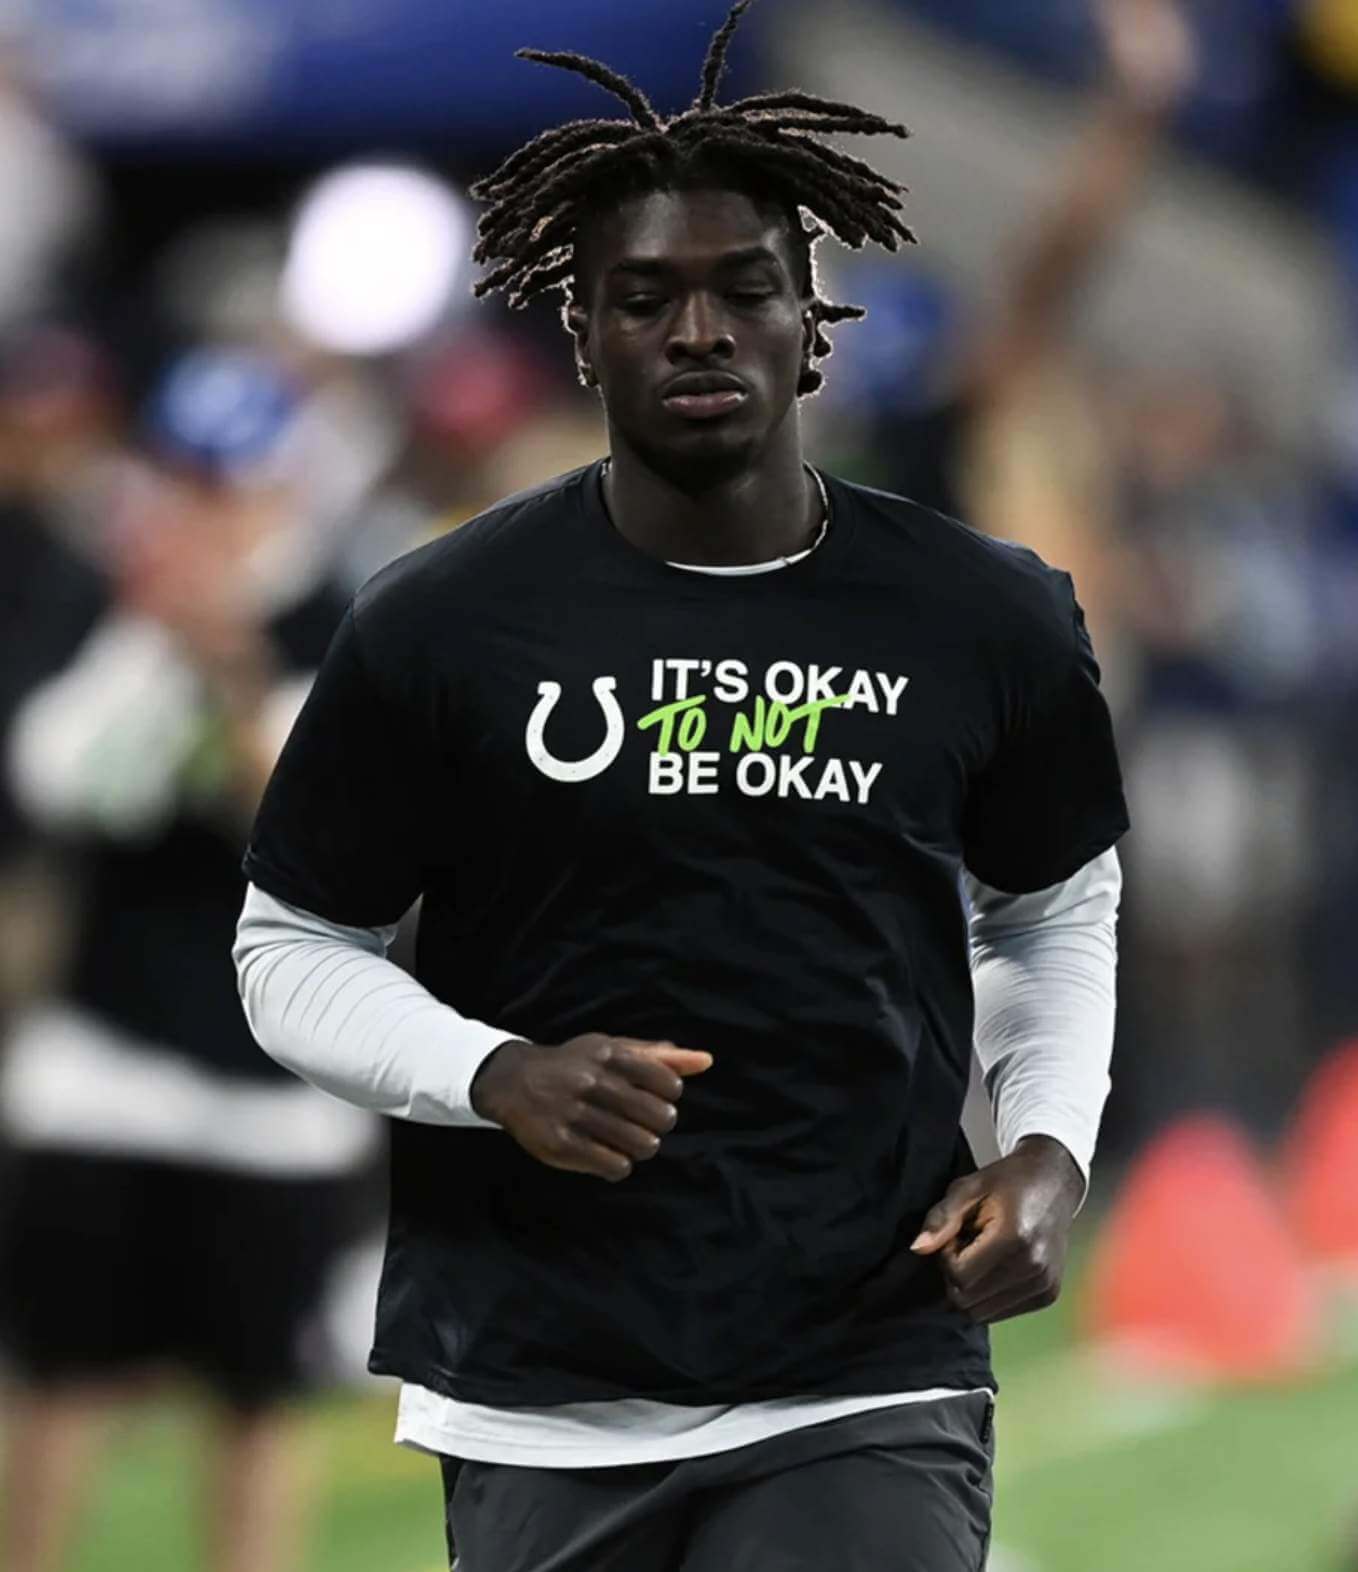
x=1043 y=973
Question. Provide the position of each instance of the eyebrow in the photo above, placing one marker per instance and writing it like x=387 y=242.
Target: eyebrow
x=646 y=267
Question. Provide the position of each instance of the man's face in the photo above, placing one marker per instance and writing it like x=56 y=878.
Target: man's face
x=695 y=325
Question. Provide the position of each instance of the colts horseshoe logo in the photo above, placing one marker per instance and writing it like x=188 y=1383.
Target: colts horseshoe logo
x=577 y=769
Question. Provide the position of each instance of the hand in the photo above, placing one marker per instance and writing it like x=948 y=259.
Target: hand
x=1150 y=51
x=594 y=1105
x=1001 y=1233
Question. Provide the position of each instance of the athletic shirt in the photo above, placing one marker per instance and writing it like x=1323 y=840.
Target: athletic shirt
x=730 y=811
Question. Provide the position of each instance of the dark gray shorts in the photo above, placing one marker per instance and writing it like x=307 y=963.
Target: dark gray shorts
x=903 y=1489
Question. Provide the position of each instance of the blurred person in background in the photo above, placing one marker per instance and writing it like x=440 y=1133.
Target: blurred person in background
x=1222 y=572
x=993 y=422
x=176 y=1200
x=943 y=441
x=43 y=178
x=58 y=425
x=765 y=1339
x=465 y=396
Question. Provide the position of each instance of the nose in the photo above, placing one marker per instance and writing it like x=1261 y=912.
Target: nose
x=699 y=331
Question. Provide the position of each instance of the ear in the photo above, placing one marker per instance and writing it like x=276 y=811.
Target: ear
x=577 y=324
x=808 y=335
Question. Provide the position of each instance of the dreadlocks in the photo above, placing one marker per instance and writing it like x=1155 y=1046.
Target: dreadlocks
x=766 y=145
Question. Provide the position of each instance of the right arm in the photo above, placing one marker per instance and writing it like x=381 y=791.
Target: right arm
x=324 y=1002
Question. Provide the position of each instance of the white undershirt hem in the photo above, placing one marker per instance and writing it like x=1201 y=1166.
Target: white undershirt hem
x=621 y=1431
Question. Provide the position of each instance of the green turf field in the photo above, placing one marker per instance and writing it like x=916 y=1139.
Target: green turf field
x=1092 y=1477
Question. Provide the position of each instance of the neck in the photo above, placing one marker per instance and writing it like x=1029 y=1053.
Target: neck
x=771 y=509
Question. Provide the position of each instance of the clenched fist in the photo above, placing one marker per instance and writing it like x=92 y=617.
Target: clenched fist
x=1001 y=1233
x=593 y=1105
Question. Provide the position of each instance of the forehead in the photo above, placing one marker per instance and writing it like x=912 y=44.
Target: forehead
x=683 y=229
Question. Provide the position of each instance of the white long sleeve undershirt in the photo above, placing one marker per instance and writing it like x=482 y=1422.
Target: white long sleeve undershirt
x=323 y=1001
x=1044 y=973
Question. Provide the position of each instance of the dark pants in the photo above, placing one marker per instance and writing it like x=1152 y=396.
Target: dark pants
x=112 y=1264
x=903 y=1489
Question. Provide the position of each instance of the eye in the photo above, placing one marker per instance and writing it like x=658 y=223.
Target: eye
x=750 y=297
x=641 y=305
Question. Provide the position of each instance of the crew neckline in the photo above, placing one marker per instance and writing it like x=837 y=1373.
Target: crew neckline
x=743 y=569
x=807 y=564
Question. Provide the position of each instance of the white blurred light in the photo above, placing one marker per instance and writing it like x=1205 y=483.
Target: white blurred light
x=374 y=257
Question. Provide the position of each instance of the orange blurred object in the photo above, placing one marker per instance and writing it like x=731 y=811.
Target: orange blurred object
x=1320 y=1161
x=1195 y=1275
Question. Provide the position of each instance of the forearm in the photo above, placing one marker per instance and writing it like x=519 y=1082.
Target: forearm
x=1044 y=978
x=323 y=1001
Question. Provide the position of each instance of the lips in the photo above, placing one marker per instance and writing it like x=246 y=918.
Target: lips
x=702 y=395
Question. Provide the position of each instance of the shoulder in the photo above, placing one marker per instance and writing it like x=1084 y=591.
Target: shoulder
x=1001 y=588
x=512 y=540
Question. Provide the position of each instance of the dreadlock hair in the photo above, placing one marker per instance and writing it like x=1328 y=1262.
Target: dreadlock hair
x=766 y=146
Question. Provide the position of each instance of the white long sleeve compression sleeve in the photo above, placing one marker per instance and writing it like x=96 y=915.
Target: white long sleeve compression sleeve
x=1044 y=970
x=324 y=1001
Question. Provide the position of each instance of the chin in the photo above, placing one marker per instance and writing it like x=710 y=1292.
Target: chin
x=702 y=457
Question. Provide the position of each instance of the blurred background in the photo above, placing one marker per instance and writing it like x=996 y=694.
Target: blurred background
x=241 y=369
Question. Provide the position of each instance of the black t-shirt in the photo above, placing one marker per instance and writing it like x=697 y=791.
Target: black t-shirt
x=728 y=811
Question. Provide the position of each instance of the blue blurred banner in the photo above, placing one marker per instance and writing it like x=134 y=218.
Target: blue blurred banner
x=254 y=73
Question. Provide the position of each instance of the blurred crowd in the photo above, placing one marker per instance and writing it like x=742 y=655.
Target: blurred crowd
x=188 y=499
x=1218 y=566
